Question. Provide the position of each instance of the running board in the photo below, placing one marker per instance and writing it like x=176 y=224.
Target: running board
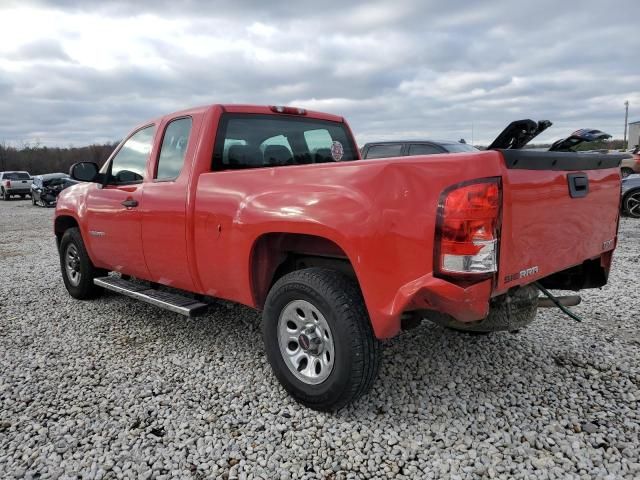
x=167 y=300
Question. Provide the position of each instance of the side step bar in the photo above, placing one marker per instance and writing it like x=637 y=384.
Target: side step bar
x=167 y=300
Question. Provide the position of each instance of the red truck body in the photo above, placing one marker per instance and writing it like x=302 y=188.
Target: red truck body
x=272 y=207
x=224 y=233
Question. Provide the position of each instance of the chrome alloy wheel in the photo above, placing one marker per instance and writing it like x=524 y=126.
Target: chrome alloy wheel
x=306 y=342
x=632 y=204
x=72 y=265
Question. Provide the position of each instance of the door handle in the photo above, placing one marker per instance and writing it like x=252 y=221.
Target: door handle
x=130 y=203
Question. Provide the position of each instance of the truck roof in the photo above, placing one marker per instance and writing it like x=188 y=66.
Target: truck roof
x=246 y=108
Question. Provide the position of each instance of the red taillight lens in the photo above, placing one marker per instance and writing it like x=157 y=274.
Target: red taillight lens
x=467 y=233
x=8 y=183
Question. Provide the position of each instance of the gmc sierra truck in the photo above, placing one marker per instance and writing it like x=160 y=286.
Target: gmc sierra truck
x=272 y=207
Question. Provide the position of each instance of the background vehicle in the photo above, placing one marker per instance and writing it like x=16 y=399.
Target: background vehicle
x=631 y=195
x=631 y=165
x=413 y=147
x=576 y=138
x=273 y=208
x=46 y=188
x=14 y=183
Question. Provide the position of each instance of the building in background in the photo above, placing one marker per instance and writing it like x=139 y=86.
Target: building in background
x=634 y=134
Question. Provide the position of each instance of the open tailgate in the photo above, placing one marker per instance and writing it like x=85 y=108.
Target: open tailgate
x=559 y=210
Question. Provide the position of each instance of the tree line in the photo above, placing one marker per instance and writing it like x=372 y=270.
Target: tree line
x=38 y=160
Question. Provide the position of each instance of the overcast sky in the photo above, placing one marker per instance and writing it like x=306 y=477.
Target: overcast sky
x=79 y=72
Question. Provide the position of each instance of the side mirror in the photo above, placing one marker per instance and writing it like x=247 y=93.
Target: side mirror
x=84 y=171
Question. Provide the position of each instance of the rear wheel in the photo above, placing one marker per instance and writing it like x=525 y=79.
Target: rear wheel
x=632 y=204
x=77 y=270
x=318 y=338
x=626 y=172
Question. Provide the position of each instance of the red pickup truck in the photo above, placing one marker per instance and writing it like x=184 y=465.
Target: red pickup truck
x=272 y=207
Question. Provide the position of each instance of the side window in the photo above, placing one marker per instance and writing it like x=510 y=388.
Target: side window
x=129 y=164
x=173 y=149
x=423 y=149
x=384 y=151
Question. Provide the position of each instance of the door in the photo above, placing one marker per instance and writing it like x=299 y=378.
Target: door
x=164 y=206
x=113 y=215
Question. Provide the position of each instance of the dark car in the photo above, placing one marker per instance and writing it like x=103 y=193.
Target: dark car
x=46 y=188
x=631 y=195
x=403 y=148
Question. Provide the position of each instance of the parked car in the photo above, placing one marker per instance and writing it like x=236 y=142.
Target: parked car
x=403 y=148
x=273 y=208
x=46 y=188
x=631 y=195
x=578 y=137
x=14 y=183
x=631 y=165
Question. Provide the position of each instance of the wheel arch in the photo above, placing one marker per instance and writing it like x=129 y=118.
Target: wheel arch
x=275 y=254
x=63 y=223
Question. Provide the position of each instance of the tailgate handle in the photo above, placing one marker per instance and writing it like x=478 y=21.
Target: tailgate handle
x=578 y=184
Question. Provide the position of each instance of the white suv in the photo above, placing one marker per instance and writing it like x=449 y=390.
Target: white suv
x=15 y=183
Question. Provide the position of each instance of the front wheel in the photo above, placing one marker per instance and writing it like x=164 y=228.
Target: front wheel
x=77 y=270
x=318 y=338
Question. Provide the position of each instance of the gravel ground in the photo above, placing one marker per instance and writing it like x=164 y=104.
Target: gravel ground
x=118 y=389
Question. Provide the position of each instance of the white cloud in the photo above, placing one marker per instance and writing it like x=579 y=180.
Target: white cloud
x=80 y=72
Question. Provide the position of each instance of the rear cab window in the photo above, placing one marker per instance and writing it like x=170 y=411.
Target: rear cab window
x=16 y=176
x=258 y=141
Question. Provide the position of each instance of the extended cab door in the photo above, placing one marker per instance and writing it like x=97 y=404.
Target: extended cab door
x=113 y=213
x=164 y=205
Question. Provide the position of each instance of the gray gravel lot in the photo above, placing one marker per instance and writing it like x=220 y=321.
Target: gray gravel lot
x=118 y=389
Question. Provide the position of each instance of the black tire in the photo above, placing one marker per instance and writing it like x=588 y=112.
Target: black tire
x=625 y=171
x=84 y=288
x=357 y=353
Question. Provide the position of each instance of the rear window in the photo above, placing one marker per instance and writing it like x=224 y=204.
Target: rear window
x=384 y=151
x=255 y=141
x=16 y=176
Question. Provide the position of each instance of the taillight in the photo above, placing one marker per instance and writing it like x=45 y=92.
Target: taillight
x=288 y=110
x=467 y=230
x=8 y=183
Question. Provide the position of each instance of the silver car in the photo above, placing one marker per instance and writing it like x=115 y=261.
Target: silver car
x=631 y=195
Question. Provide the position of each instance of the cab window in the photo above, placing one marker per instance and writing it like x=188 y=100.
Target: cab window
x=130 y=162
x=173 y=149
x=384 y=151
x=424 y=149
x=259 y=141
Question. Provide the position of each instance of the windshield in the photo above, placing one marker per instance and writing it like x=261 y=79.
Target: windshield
x=254 y=141
x=16 y=176
x=459 y=147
